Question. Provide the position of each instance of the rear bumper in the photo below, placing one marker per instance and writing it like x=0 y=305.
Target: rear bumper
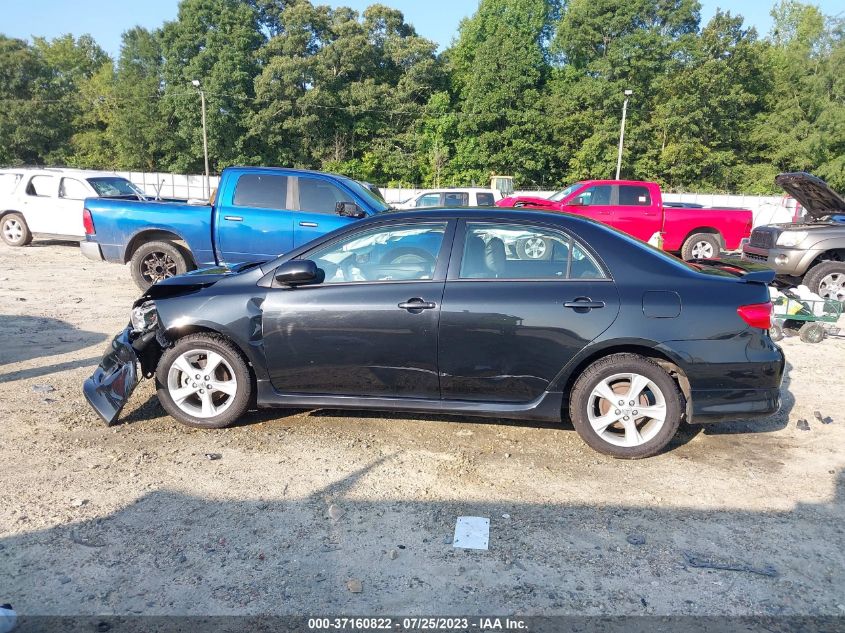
x=729 y=379
x=709 y=405
x=92 y=251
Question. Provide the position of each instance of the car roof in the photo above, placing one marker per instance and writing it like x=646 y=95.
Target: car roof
x=480 y=213
x=456 y=190
x=59 y=171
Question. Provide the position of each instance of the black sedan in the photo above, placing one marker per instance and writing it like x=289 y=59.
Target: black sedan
x=443 y=311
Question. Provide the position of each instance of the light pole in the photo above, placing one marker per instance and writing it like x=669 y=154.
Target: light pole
x=628 y=93
x=196 y=83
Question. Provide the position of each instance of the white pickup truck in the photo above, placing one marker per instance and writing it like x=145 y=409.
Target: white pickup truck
x=48 y=202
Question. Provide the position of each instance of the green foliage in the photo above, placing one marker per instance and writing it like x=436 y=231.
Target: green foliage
x=532 y=88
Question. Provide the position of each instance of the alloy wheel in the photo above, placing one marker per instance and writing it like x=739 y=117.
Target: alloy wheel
x=832 y=286
x=202 y=383
x=626 y=409
x=702 y=250
x=13 y=230
x=157 y=266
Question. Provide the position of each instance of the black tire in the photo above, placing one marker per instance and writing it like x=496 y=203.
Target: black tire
x=155 y=261
x=776 y=331
x=580 y=401
x=14 y=230
x=239 y=370
x=700 y=240
x=811 y=333
x=819 y=278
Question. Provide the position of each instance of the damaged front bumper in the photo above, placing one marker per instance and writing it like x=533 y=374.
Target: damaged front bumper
x=114 y=380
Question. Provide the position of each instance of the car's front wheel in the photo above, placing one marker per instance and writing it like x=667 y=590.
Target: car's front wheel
x=204 y=381
x=827 y=280
x=626 y=406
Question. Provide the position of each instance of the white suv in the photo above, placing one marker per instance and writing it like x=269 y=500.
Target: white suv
x=469 y=197
x=49 y=202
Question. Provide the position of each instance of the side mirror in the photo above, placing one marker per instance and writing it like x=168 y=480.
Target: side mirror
x=349 y=210
x=299 y=272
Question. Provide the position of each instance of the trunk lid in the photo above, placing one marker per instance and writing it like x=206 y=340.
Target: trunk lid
x=746 y=271
x=817 y=198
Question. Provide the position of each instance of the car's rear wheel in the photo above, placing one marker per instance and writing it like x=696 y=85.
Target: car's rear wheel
x=827 y=280
x=204 y=381
x=701 y=246
x=155 y=261
x=626 y=406
x=14 y=230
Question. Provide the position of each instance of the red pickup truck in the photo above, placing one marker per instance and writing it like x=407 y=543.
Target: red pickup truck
x=637 y=208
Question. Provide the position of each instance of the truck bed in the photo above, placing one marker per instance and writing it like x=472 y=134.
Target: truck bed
x=117 y=222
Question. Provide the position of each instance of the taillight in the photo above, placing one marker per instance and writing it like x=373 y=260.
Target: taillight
x=757 y=314
x=88 y=222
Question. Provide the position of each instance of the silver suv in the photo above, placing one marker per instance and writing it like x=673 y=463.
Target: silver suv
x=811 y=251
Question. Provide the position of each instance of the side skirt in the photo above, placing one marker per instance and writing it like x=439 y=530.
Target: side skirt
x=546 y=408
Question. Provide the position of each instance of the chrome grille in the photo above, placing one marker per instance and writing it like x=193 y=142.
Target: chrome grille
x=763 y=237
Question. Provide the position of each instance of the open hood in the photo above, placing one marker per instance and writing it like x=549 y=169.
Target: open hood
x=818 y=200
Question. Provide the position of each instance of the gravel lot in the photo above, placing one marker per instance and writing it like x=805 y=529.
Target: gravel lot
x=136 y=519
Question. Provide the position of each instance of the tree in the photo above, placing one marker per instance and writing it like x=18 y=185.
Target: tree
x=802 y=127
x=499 y=69
x=215 y=42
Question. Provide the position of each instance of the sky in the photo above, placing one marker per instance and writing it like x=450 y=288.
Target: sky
x=435 y=19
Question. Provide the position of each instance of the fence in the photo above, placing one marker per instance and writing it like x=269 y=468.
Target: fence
x=766 y=209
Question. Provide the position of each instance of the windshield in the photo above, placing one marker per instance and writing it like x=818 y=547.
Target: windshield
x=560 y=195
x=367 y=194
x=113 y=186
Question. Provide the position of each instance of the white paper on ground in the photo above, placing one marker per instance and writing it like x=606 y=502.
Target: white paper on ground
x=472 y=532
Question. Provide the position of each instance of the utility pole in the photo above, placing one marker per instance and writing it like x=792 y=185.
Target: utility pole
x=628 y=93
x=196 y=84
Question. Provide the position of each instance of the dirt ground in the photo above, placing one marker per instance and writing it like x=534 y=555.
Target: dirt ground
x=136 y=519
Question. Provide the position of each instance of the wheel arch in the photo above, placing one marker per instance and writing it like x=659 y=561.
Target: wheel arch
x=157 y=235
x=705 y=229
x=566 y=379
x=830 y=255
x=174 y=333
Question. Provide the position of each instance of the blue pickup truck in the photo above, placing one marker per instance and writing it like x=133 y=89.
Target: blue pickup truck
x=256 y=214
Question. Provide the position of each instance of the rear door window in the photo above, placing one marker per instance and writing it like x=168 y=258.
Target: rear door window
x=524 y=251
x=261 y=191
x=456 y=199
x=320 y=196
x=634 y=196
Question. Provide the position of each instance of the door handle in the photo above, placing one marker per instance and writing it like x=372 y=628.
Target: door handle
x=233 y=218
x=310 y=224
x=417 y=304
x=583 y=304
